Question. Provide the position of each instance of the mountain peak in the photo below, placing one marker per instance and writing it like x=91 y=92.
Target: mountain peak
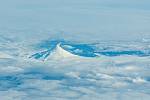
x=60 y=53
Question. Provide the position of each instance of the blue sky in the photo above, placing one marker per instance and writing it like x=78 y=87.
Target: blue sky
x=96 y=19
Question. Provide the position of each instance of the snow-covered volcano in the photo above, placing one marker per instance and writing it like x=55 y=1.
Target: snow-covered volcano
x=59 y=49
x=64 y=49
x=57 y=53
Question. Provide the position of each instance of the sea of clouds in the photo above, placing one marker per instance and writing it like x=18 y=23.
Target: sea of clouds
x=64 y=75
